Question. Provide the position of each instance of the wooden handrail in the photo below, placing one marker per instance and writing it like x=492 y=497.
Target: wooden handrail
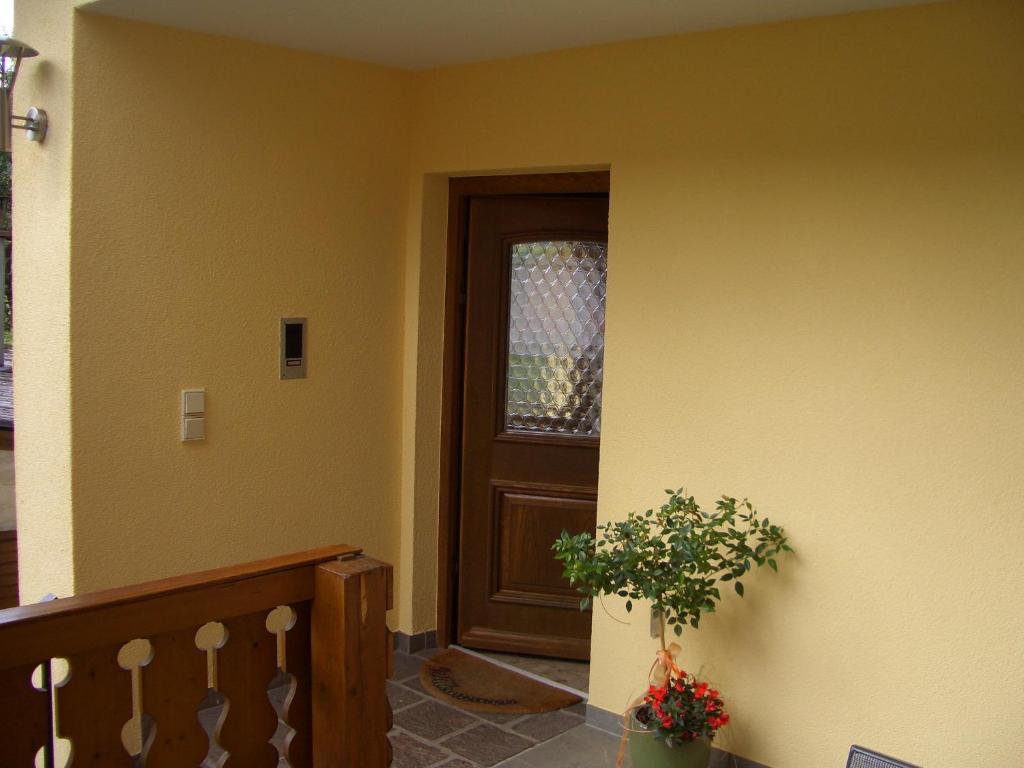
x=336 y=655
x=161 y=587
x=56 y=629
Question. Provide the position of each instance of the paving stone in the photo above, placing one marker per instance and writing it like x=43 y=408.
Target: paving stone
x=433 y=720
x=486 y=744
x=401 y=696
x=406 y=666
x=518 y=762
x=577 y=709
x=547 y=725
x=458 y=762
x=410 y=752
x=580 y=747
x=415 y=684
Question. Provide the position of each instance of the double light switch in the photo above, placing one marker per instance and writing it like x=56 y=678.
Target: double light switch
x=193 y=414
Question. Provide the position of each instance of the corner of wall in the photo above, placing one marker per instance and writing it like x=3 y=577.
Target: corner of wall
x=421 y=398
x=42 y=385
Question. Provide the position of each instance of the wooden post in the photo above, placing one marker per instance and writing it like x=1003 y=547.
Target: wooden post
x=349 y=660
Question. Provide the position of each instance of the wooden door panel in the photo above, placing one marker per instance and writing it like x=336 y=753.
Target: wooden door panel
x=535 y=514
x=533 y=361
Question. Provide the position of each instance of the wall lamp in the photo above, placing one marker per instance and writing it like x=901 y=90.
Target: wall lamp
x=33 y=123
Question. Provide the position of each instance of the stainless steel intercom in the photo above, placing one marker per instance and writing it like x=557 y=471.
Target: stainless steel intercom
x=293 y=347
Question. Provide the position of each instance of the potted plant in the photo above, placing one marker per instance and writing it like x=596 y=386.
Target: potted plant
x=675 y=724
x=677 y=558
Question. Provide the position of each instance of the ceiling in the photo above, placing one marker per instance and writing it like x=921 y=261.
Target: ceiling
x=423 y=34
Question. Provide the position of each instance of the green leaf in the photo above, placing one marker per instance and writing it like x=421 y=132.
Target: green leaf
x=673 y=555
x=629 y=606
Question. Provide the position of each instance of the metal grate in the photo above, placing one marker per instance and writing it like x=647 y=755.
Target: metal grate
x=865 y=758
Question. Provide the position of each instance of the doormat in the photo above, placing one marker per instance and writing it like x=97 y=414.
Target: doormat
x=474 y=684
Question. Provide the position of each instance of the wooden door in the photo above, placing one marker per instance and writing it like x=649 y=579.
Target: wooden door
x=533 y=364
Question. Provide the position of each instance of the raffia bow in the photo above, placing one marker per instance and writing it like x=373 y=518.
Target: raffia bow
x=664 y=667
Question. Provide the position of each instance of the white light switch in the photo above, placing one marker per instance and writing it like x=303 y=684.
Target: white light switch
x=193 y=414
x=193 y=428
x=193 y=401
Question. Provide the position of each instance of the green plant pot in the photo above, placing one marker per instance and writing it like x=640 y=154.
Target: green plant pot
x=649 y=752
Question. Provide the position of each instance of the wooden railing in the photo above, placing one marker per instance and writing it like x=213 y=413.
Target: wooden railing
x=127 y=677
x=8 y=568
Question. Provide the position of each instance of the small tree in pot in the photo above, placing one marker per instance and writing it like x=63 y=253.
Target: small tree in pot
x=678 y=558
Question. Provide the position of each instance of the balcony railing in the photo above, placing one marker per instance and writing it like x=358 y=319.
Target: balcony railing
x=295 y=644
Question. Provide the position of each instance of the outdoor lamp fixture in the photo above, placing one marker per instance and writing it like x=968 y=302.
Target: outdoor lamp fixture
x=34 y=123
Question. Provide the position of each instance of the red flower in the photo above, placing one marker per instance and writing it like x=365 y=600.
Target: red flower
x=675 y=708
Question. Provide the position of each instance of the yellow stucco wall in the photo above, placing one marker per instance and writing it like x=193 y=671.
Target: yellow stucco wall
x=219 y=186
x=816 y=246
x=42 y=387
x=815 y=281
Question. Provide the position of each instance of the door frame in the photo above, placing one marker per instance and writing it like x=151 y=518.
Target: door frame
x=460 y=190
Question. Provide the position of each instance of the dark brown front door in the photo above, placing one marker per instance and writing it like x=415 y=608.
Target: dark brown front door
x=534 y=355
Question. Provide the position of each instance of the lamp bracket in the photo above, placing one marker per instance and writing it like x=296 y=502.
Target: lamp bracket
x=33 y=123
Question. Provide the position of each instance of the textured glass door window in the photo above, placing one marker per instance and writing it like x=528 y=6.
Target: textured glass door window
x=556 y=337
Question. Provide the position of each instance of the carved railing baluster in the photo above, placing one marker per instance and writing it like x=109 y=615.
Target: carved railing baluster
x=245 y=667
x=280 y=622
x=25 y=715
x=92 y=707
x=173 y=685
x=298 y=712
x=323 y=652
x=209 y=639
x=137 y=733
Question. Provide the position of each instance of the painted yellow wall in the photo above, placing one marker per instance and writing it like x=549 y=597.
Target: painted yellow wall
x=217 y=187
x=815 y=284
x=220 y=186
x=421 y=408
x=814 y=301
x=42 y=387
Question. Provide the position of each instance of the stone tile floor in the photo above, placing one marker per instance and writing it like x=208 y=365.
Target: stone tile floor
x=431 y=733
x=575 y=674
x=581 y=747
